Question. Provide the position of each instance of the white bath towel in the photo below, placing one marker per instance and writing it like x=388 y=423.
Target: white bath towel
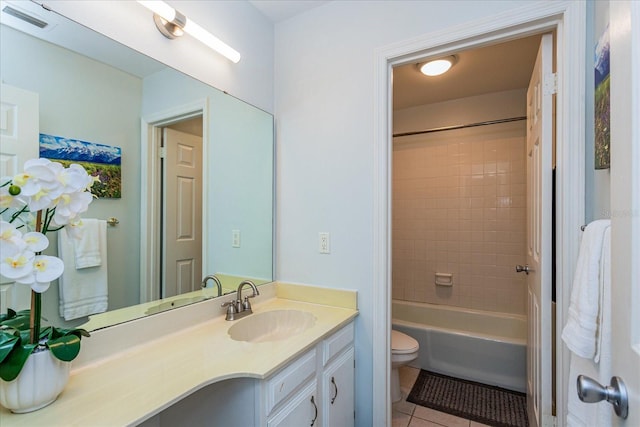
x=581 y=332
x=599 y=366
x=82 y=292
x=86 y=246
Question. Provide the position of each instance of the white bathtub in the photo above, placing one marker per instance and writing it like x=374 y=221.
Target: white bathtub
x=481 y=346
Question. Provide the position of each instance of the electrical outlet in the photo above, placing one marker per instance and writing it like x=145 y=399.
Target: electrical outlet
x=324 y=243
x=235 y=238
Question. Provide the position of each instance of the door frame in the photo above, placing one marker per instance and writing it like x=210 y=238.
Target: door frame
x=150 y=203
x=568 y=20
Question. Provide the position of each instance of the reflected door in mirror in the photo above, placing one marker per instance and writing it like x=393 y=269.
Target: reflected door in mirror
x=18 y=143
x=182 y=212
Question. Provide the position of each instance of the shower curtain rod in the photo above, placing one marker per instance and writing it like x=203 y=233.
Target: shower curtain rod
x=454 y=127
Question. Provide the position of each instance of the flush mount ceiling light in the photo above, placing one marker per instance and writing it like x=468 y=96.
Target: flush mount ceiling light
x=172 y=24
x=437 y=66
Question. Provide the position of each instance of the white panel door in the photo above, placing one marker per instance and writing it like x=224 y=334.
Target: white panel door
x=19 y=129
x=182 y=213
x=539 y=197
x=625 y=202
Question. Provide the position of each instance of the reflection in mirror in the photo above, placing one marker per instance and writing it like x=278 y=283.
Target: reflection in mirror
x=162 y=120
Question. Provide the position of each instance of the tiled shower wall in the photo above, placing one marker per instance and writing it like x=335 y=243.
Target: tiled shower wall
x=459 y=208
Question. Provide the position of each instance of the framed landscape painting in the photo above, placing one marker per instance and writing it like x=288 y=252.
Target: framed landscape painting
x=601 y=107
x=99 y=160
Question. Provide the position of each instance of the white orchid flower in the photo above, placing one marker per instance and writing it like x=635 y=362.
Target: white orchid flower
x=43 y=270
x=77 y=179
x=70 y=205
x=17 y=266
x=11 y=242
x=36 y=241
x=74 y=228
x=37 y=180
x=43 y=199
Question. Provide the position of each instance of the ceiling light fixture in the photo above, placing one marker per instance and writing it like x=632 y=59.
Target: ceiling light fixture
x=437 y=66
x=172 y=24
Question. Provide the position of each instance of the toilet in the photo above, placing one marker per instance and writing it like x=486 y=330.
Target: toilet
x=404 y=349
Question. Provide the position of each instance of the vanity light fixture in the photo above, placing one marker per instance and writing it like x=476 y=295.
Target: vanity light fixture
x=172 y=24
x=437 y=67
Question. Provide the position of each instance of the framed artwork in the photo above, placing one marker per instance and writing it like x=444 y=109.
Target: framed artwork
x=99 y=160
x=601 y=107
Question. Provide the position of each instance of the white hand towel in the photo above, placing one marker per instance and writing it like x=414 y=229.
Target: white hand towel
x=581 y=330
x=86 y=245
x=85 y=291
x=580 y=414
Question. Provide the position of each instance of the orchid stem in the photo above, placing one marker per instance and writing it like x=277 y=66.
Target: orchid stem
x=34 y=317
x=36 y=301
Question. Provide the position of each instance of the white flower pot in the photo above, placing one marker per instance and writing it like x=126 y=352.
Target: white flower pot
x=42 y=379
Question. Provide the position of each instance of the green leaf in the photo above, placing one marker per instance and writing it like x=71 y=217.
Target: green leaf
x=10 y=314
x=7 y=343
x=79 y=332
x=12 y=365
x=65 y=348
x=48 y=333
x=18 y=322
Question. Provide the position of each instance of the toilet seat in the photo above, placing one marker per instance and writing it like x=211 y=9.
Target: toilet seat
x=402 y=343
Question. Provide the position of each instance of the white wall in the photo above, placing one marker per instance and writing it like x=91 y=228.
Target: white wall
x=235 y=22
x=324 y=85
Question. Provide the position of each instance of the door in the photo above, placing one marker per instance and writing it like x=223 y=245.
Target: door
x=539 y=197
x=182 y=212
x=338 y=400
x=301 y=410
x=625 y=201
x=19 y=129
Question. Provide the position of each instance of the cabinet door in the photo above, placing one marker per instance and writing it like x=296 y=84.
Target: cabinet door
x=338 y=391
x=301 y=410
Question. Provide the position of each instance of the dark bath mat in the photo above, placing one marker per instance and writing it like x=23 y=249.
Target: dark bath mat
x=486 y=404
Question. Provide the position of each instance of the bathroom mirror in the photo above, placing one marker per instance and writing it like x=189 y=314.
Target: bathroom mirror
x=91 y=88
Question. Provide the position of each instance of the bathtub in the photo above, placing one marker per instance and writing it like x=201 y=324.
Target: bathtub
x=480 y=346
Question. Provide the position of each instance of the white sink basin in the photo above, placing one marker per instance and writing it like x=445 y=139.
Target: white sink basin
x=273 y=325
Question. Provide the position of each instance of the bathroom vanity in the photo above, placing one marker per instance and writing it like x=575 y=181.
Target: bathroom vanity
x=182 y=367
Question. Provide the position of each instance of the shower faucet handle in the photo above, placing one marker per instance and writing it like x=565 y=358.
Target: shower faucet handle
x=523 y=268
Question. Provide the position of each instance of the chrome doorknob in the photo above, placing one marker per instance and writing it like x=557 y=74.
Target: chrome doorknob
x=521 y=268
x=591 y=391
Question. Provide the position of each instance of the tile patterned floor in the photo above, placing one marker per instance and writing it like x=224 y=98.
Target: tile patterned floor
x=406 y=414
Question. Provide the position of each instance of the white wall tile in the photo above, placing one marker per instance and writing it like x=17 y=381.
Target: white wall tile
x=459 y=207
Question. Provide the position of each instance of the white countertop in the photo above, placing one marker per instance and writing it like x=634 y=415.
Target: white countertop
x=132 y=385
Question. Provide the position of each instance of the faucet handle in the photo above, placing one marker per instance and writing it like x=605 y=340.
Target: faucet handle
x=231 y=309
x=246 y=304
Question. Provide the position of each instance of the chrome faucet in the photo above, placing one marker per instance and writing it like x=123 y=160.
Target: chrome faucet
x=215 y=280
x=246 y=305
x=239 y=308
